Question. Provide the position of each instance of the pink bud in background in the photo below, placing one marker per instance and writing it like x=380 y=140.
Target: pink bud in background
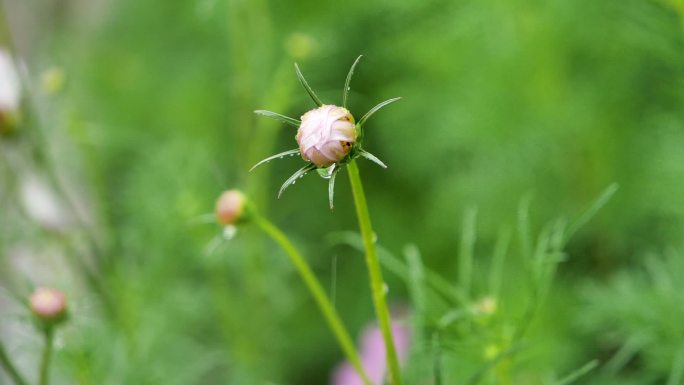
x=230 y=207
x=48 y=304
x=373 y=357
x=326 y=135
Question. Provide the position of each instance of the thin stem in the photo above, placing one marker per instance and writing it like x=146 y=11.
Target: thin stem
x=377 y=283
x=324 y=304
x=9 y=367
x=47 y=355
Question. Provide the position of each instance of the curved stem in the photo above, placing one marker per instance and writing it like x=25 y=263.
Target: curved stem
x=316 y=289
x=9 y=367
x=47 y=355
x=377 y=283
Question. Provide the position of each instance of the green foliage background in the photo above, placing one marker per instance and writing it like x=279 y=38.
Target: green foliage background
x=504 y=101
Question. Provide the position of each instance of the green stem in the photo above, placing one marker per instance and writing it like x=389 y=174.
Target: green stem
x=316 y=289
x=377 y=283
x=47 y=355
x=9 y=367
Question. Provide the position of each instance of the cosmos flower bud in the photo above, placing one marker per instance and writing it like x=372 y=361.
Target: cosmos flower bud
x=49 y=305
x=230 y=207
x=326 y=135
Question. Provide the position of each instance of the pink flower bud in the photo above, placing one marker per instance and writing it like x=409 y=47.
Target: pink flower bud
x=48 y=304
x=230 y=207
x=326 y=135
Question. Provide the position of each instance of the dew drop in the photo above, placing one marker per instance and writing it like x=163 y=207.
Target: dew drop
x=385 y=288
x=229 y=232
x=281 y=157
x=294 y=181
x=375 y=237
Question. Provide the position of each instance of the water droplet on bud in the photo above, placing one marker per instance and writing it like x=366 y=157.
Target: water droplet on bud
x=229 y=232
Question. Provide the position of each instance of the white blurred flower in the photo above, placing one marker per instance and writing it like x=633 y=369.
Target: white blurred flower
x=41 y=204
x=10 y=87
x=326 y=135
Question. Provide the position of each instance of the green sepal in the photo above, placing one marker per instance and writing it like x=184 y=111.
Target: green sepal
x=298 y=174
x=281 y=118
x=306 y=86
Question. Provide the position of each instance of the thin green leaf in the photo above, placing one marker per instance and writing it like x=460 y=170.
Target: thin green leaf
x=677 y=372
x=375 y=109
x=480 y=374
x=496 y=271
x=416 y=284
x=524 y=226
x=281 y=118
x=465 y=257
x=572 y=377
x=437 y=365
x=372 y=158
x=307 y=87
x=395 y=266
x=276 y=156
x=589 y=213
x=291 y=180
x=331 y=186
x=348 y=81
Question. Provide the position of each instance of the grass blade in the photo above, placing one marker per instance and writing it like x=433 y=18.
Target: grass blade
x=496 y=270
x=589 y=213
x=465 y=256
x=574 y=375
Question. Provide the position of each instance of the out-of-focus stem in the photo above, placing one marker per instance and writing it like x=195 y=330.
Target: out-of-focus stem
x=9 y=367
x=374 y=271
x=316 y=289
x=43 y=379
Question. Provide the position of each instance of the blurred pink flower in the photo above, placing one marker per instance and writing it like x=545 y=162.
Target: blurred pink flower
x=48 y=304
x=373 y=355
x=230 y=206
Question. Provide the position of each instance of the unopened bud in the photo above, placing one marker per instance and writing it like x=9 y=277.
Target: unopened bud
x=326 y=135
x=49 y=305
x=230 y=207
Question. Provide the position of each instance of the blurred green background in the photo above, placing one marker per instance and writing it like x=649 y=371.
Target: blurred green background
x=137 y=114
